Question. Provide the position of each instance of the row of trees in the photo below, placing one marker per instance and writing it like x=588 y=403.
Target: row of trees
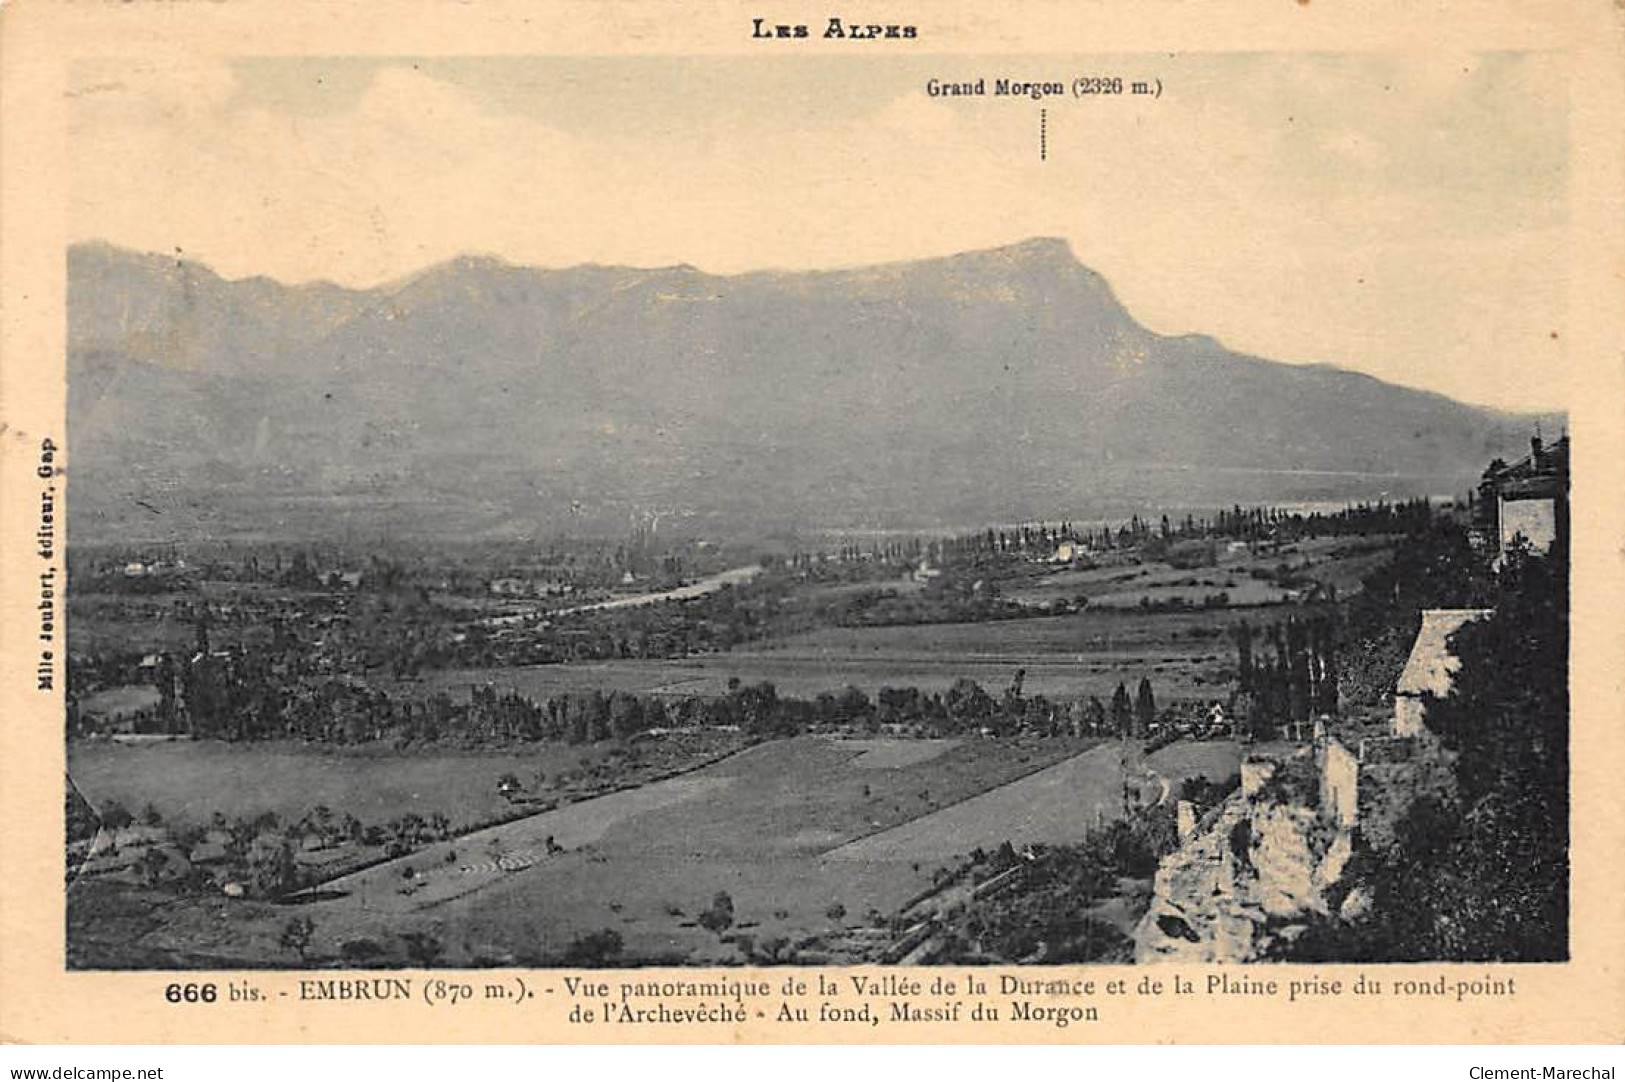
x=1252 y=524
x=352 y=712
x=1287 y=671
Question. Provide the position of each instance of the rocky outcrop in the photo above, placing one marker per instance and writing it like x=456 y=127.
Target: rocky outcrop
x=1255 y=871
x=1273 y=859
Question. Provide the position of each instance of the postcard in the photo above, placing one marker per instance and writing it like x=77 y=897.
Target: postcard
x=910 y=523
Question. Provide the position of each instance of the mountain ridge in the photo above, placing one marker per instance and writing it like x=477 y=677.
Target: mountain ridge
x=1002 y=383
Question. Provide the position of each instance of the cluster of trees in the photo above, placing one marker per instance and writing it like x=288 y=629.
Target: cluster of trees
x=951 y=599
x=272 y=644
x=712 y=623
x=258 y=851
x=258 y=858
x=1483 y=874
x=1136 y=718
x=338 y=711
x=1295 y=679
x=1355 y=520
x=1204 y=793
x=467 y=569
x=275 y=659
x=967 y=707
x=1044 y=917
x=784 y=600
x=330 y=611
x=1252 y=524
x=424 y=949
x=1179 y=603
x=1028 y=539
x=1435 y=568
x=1042 y=539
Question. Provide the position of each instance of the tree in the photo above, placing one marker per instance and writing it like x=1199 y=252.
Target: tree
x=625 y=715
x=1298 y=672
x=296 y=935
x=1145 y=708
x=594 y=949
x=116 y=816
x=758 y=705
x=1326 y=693
x=1122 y=711
x=1244 y=655
x=1012 y=694
x=423 y=949
x=272 y=870
x=1094 y=716
x=1483 y=874
x=322 y=816
x=1508 y=722
x=153 y=864
x=968 y=705
x=720 y=916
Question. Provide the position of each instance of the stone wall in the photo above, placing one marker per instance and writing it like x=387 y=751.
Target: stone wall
x=1255 y=771
x=1409 y=711
x=1340 y=785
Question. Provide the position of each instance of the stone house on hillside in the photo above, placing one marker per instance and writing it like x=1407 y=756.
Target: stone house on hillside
x=1528 y=499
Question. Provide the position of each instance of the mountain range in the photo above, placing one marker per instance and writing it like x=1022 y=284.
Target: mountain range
x=481 y=399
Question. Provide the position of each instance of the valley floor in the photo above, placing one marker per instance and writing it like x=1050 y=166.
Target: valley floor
x=815 y=839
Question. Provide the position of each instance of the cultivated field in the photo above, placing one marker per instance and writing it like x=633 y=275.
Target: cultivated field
x=1053 y=805
x=1065 y=657
x=1339 y=562
x=188 y=781
x=118 y=702
x=806 y=835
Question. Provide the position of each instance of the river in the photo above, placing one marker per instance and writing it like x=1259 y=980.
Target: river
x=734 y=576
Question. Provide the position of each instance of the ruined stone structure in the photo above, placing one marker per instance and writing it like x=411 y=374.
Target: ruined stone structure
x=1254 y=872
x=1340 y=784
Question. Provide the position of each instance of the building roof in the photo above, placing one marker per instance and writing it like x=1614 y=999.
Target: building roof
x=1431 y=668
x=1543 y=463
x=1541 y=487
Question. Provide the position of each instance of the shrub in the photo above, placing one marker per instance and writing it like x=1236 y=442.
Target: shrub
x=594 y=949
x=720 y=916
x=296 y=935
x=422 y=948
x=116 y=816
x=360 y=950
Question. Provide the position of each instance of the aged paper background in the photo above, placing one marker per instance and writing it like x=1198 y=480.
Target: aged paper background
x=1583 y=1000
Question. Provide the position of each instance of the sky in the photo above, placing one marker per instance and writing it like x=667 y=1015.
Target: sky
x=1404 y=215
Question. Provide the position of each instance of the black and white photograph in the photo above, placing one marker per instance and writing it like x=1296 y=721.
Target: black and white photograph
x=817 y=509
